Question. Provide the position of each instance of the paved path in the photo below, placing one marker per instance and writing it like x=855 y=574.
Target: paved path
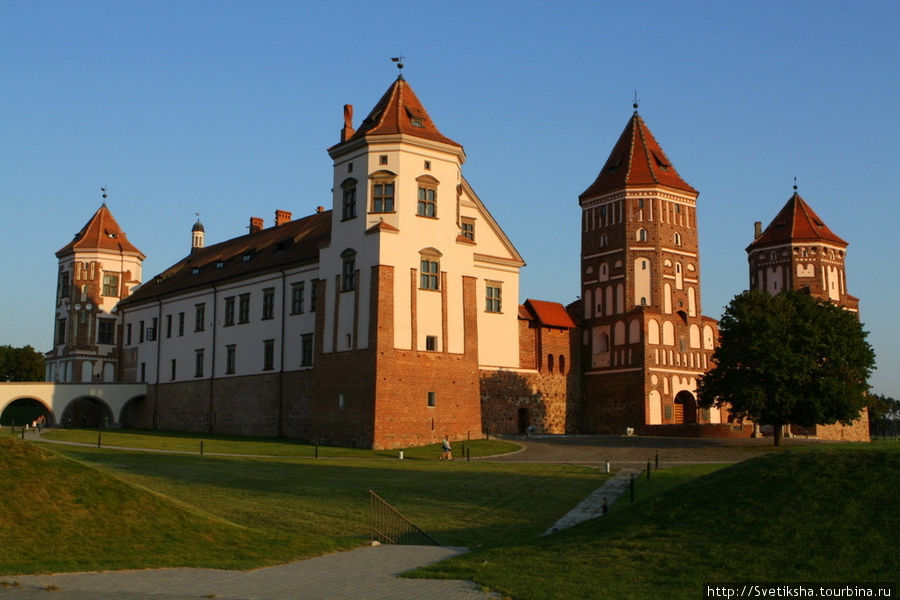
x=592 y=506
x=361 y=574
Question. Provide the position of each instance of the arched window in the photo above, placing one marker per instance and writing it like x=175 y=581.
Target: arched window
x=603 y=240
x=562 y=364
x=677 y=239
x=642 y=235
x=427 y=198
x=429 y=276
x=348 y=270
x=549 y=363
x=382 y=191
x=348 y=208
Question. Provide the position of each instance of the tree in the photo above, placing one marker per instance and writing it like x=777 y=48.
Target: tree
x=884 y=413
x=21 y=364
x=789 y=358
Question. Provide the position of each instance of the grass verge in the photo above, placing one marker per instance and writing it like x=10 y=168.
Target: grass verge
x=191 y=443
x=69 y=508
x=826 y=513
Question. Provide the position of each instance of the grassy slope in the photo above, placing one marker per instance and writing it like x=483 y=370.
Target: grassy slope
x=240 y=513
x=821 y=514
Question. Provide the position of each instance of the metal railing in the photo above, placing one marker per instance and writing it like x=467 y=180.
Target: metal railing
x=389 y=526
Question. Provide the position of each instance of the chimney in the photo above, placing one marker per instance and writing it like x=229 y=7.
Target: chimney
x=320 y=209
x=348 y=131
x=757 y=229
x=282 y=217
x=256 y=224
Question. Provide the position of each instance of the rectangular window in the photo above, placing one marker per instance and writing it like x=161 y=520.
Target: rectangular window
x=128 y=334
x=383 y=197
x=143 y=372
x=244 y=309
x=140 y=332
x=431 y=342
x=106 y=331
x=229 y=311
x=172 y=376
x=230 y=354
x=492 y=297
x=110 y=284
x=348 y=210
x=297 y=298
x=199 y=317
x=348 y=272
x=427 y=205
x=268 y=355
x=313 y=288
x=64 y=284
x=268 y=308
x=61 y=331
x=180 y=324
x=432 y=399
x=198 y=362
x=467 y=229
x=168 y=326
x=428 y=279
x=151 y=331
x=306 y=350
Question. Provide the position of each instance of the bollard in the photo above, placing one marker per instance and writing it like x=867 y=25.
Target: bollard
x=606 y=468
x=99 y=438
x=632 y=487
x=23 y=433
x=400 y=455
x=648 y=470
x=657 y=461
x=316 y=455
x=468 y=453
x=201 y=447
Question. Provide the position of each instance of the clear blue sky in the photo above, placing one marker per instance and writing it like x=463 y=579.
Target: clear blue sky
x=226 y=108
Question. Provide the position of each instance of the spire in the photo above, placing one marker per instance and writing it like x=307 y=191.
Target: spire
x=399 y=111
x=796 y=222
x=198 y=233
x=101 y=232
x=637 y=160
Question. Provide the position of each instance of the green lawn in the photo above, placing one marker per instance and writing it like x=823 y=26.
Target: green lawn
x=71 y=508
x=191 y=442
x=827 y=513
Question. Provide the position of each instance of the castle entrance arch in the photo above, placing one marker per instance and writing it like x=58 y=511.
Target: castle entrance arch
x=135 y=414
x=87 y=411
x=685 y=407
x=25 y=411
x=523 y=421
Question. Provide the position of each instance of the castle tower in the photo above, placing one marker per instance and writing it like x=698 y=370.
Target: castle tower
x=645 y=340
x=798 y=251
x=96 y=269
x=197 y=236
x=416 y=273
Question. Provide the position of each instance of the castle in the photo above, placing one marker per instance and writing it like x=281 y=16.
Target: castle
x=391 y=318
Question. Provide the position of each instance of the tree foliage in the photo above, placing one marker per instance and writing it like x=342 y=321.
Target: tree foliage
x=21 y=364
x=789 y=358
x=884 y=413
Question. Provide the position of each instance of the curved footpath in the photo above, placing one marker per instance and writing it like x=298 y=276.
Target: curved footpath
x=369 y=573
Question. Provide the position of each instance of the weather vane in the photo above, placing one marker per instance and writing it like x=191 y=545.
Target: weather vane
x=399 y=61
x=795 y=184
x=103 y=191
x=635 y=105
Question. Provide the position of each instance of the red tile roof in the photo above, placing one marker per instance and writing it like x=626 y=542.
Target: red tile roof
x=636 y=159
x=294 y=242
x=549 y=314
x=796 y=222
x=100 y=233
x=399 y=111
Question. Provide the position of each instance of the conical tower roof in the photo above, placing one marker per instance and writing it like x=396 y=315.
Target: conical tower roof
x=637 y=159
x=400 y=111
x=101 y=232
x=796 y=222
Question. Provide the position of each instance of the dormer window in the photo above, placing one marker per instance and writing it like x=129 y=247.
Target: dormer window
x=417 y=122
x=195 y=271
x=247 y=256
x=220 y=264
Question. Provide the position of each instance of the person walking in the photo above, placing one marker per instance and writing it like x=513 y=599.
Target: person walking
x=446 y=450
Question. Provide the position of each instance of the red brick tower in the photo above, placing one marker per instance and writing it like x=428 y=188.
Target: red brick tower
x=798 y=251
x=645 y=339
